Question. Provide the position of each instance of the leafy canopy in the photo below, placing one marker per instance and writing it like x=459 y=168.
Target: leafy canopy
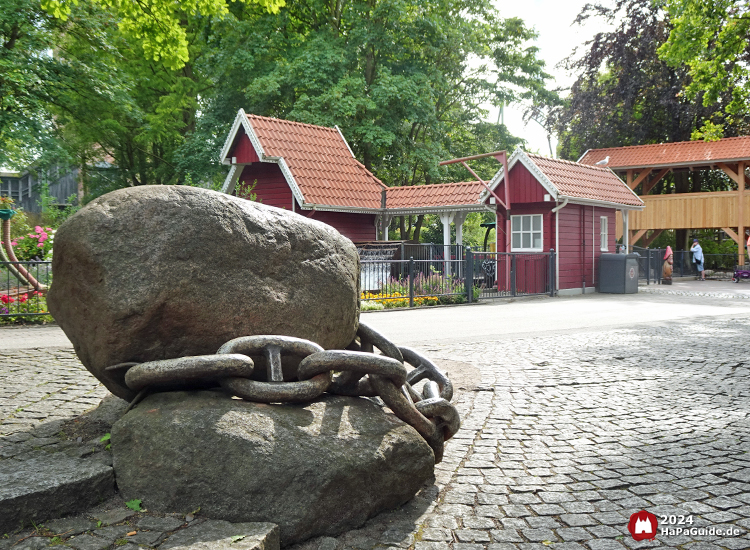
x=710 y=36
x=158 y=24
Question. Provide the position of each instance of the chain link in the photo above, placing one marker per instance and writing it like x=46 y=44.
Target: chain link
x=359 y=372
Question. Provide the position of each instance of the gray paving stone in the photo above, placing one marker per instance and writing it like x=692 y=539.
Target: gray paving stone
x=476 y=522
x=471 y=535
x=153 y=523
x=222 y=535
x=539 y=535
x=32 y=543
x=574 y=534
x=70 y=527
x=577 y=520
x=431 y=546
x=436 y=534
x=88 y=542
x=467 y=546
x=506 y=535
x=605 y=545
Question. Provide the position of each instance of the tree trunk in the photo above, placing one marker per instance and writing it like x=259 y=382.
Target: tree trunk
x=417 y=228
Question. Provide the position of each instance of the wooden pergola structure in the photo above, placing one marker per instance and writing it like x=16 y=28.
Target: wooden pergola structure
x=645 y=165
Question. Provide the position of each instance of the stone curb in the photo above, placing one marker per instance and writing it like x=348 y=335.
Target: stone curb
x=50 y=485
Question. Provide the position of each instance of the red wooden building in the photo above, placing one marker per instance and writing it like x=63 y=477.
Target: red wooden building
x=562 y=205
x=550 y=203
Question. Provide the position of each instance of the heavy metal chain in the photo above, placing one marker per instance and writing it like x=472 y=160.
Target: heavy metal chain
x=359 y=371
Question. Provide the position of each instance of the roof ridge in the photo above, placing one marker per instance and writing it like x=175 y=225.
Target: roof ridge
x=293 y=122
x=644 y=145
x=572 y=162
x=434 y=184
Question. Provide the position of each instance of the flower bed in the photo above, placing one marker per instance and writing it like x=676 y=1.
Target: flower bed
x=29 y=307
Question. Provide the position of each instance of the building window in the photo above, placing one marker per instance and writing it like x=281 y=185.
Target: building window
x=526 y=233
x=604 y=233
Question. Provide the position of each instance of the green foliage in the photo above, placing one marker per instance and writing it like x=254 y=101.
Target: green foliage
x=29 y=77
x=135 y=504
x=158 y=25
x=144 y=94
x=52 y=213
x=625 y=94
x=106 y=437
x=246 y=190
x=710 y=37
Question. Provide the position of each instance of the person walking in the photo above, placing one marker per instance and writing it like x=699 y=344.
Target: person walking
x=698 y=259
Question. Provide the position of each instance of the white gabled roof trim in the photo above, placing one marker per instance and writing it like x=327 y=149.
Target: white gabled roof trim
x=436 y=209
x=234 y=173
x=241 y=119
x=250 y=131
x=586 y=152
x=519 y=156
x=345 y=142
x=606 y=204
x=327 y=208
x=291 y=181
x=230 y=137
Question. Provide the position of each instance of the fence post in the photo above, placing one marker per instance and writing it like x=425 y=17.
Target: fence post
x=401 y=265
x=552 y=282
x=512 y=274
x=648 y=266
x=411 y=281
x=469 y=274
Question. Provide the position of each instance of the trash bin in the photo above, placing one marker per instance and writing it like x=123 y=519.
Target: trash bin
x=618 y=273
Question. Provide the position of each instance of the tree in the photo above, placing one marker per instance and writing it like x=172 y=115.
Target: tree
x=28 y=78
x=626 y=94
x=710 y=36
x=395 y=75
x=158 y=25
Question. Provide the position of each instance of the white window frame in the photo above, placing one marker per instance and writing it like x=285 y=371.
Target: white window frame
x=604 y=233
x=531 y=232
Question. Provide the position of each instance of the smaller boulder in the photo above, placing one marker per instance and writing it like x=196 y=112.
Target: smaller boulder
x=315 y=469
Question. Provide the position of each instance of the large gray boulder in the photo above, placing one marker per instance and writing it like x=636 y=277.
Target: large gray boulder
x=315 y=469
x=157 y=272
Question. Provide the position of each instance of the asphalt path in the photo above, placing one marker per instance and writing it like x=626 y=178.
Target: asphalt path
x=508 y=318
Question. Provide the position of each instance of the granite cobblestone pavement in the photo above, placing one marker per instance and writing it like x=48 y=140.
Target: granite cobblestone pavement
x=564 y=436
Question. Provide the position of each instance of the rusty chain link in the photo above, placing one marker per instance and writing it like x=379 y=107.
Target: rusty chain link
x=309 y=372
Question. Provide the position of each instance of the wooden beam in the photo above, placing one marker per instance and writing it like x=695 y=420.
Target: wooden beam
x=647 y=187
x=729 y=172
x=731 y=233
x=638 y=235
x=629 y=178
x=741 y=213
x=651 y=238
x=642 y=176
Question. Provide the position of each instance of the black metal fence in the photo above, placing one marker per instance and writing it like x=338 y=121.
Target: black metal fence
x=651 y=263
x=463 y=275
x=17 y=297
x=503 y=274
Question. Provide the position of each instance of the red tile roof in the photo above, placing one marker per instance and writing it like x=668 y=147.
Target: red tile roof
x=683 y=153
x=579 y=181
x=434 y=195
x=320 y=162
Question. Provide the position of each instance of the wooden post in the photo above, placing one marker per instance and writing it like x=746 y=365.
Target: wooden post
x=741 y=212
